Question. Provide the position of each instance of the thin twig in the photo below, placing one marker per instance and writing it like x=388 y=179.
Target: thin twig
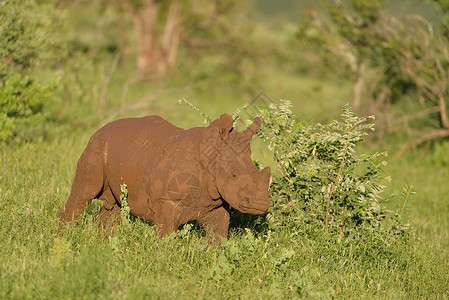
x=409 y=191
x=440 y=133
x=106 y=81
x=127 y=85
x=143 y=102
x=334 y=184
x=281 y=168
x=417 y=115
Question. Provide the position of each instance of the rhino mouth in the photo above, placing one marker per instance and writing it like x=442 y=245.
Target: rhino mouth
x=255 y=207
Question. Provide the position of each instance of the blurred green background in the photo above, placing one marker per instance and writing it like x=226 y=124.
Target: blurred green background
x=69 y=67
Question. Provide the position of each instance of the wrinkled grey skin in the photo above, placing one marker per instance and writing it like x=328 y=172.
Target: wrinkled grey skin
x=173 y=175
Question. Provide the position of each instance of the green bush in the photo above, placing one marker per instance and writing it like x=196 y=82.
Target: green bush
x=29 y=36
x=324 y=184
x=26 y=107
x=28 y=42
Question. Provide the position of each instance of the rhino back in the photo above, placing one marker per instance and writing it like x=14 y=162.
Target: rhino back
x=143 y=152
x=144 y=132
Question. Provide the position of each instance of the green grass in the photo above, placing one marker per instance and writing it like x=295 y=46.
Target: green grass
x=429 y=210
x=37 y=261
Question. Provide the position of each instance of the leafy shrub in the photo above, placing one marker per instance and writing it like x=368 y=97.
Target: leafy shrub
x=26 y=107
x=325 y=185
x=29 y=40
x=125 y=211
x=27 y=35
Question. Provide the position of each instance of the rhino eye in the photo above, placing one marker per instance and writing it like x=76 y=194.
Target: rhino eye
x=234 y=174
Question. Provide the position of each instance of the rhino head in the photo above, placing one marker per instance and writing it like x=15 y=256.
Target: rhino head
x=229 y=172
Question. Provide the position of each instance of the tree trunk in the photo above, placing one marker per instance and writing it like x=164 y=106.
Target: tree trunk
x=144 y=21
x=125 y=49
x=358 y=88
x=156 y=51
x=170 y=40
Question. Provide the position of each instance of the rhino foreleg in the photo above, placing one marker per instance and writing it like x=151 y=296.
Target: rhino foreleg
x=216 y=223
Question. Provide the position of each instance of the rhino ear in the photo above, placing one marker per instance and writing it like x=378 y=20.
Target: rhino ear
x=226 y=123
x=253 y=128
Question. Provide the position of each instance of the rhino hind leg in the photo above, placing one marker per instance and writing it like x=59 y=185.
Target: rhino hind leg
x=87 y=185
x=166 y=217
x=109 y=218
x=110 y=213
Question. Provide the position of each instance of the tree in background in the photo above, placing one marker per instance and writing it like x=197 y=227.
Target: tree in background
x=164 y=30
x=396 y=64
x=157 y=27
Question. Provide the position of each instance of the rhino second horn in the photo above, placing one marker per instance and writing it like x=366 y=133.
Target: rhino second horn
x=266 y=172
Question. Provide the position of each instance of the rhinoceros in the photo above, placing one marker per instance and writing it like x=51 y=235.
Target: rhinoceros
x=173 y=175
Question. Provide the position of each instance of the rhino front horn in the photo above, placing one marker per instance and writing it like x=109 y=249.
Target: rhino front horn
x=266 y=174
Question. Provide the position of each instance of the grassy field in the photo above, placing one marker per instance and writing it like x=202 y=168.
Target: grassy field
x=38 y=261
